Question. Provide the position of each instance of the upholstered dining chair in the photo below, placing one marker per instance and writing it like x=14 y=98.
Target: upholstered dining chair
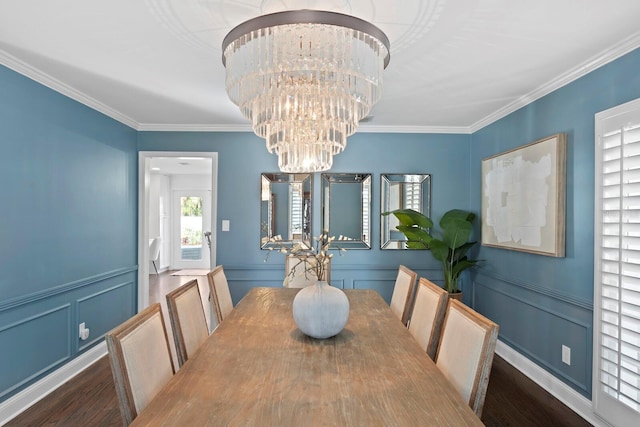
x=140 y=360
x=403 y=293
x=301 y=275
x=188 y=322
x=219 y=293
x=429 y=307
x=466 y=350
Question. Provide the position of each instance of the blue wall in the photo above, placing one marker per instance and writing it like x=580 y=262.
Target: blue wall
x=68 y=228
x=542 y=302
x=242 y=157
x=68 y=221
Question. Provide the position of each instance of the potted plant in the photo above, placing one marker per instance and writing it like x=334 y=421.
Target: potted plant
x=449 y=245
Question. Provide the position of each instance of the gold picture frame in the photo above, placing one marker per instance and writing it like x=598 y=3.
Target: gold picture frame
x=523 y=198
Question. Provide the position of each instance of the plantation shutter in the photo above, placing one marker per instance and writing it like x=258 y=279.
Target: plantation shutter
x=616 y=358
x=413 y=196
x=295 y=219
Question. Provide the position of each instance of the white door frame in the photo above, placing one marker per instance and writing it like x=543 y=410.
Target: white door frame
x=144 y=161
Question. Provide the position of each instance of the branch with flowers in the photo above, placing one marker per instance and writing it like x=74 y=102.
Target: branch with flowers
x=315 y=257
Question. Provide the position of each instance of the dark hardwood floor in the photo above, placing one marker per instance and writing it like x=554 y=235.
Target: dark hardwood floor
x=89 y=399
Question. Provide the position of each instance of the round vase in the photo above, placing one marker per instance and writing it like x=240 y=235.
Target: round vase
x=321 y=311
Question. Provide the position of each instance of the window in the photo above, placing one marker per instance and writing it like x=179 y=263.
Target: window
x=616 y=355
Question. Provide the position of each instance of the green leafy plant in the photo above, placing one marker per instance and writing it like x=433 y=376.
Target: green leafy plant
x=449 y=245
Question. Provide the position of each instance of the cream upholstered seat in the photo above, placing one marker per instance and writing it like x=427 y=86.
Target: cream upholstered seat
x=429 y=307
x=465 y=353
x=219 y=293
x=299 y=275
x=188 y=321
x=403 y=292
x=140 y=360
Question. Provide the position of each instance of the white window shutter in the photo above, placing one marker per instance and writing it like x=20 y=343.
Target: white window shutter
x=616 y=355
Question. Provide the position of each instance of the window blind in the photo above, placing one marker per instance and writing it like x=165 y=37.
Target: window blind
x=295 y=201
x=616 y=379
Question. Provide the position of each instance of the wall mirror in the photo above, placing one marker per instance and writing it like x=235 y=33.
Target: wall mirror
x=346 y=209
x=401 y=191
x=285 y=208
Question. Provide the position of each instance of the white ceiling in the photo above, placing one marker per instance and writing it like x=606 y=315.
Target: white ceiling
x=180 y=165
x=456 y=65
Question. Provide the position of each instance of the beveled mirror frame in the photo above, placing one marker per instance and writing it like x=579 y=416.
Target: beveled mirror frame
x=356 y=209
x=392 y=185
x=273 y=225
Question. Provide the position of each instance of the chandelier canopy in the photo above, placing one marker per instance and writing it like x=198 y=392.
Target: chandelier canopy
x=305 y=78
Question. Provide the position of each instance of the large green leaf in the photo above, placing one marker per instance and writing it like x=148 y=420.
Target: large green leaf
x=415 y=234
x=456 y=214
x=461 y=251
x=439 y=250
x=456 y=233
x=462 y=265
x=411 y=217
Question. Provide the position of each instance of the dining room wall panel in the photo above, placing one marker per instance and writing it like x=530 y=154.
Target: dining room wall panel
x=67 y=224
x=544 y=302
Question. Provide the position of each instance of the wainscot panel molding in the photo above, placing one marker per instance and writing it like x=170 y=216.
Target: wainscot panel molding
x=114 y=300
x=67 y=287
x=243 y=278
x=49 y=320
x=21 y=401
x=553 y=322
x=43 y=326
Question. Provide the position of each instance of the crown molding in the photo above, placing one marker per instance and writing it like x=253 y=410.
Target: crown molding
x=44 y=79
x=413 y=129
x=181 y=127
x=625 y=46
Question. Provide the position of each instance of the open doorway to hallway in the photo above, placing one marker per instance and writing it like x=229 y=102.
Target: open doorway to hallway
x=177 y=205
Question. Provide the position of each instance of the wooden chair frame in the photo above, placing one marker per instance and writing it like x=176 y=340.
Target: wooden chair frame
x=409 y=297
x=482 y=371
x=174 y=316
x=119 y=370
x=425 y=285
x=215 y=299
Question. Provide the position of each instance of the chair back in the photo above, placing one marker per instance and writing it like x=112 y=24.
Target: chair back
x=188 y=321
x=429 y=307
x=403 y=292
x=466 y=350
x=140 y=360
x=219 y=292
x=154 y=248
x=298 y=274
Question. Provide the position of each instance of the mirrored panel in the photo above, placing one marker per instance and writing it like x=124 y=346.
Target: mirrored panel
x=285 y=208
x=346 y=209
x=401 y=191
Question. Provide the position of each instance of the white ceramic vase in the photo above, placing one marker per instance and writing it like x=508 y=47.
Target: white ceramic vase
x=320 y=310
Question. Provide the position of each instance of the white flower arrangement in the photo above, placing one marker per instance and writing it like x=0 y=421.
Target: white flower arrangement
x=316 y=257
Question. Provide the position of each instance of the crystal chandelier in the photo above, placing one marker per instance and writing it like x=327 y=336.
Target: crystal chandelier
x=305 y=79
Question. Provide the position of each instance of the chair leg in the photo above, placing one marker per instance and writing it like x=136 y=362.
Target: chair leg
x=154 y=266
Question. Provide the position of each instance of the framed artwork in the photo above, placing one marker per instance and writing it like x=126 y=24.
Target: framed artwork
x=523 y=198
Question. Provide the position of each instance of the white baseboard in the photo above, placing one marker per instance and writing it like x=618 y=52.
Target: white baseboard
x=561 y=391
x=21 y=401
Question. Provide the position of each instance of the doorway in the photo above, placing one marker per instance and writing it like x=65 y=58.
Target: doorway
x=156 y=210
x=191 y=221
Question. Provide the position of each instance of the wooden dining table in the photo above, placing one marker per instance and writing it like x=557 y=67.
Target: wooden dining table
x=259 y=369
